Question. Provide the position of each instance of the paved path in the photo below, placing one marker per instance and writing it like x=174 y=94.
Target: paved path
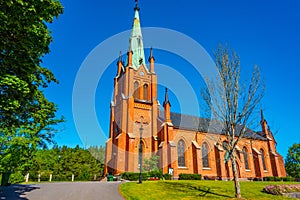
x=63 y=191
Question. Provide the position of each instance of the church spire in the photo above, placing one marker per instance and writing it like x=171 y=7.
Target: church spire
x=136 y=40
x=151 y=61
x=166 y=98
x=136 y=6
x=167 y=107
x=263 y=123
x=262 y=119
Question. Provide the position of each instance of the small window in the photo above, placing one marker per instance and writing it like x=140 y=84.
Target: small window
x=205 y=162
x=180 y=151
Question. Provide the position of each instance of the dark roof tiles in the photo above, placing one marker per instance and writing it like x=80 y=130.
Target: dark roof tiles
x=193 y=123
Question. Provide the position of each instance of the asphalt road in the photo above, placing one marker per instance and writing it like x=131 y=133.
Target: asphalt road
x=63 y=191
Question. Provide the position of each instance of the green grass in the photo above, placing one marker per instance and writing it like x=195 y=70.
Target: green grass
x=184 y=190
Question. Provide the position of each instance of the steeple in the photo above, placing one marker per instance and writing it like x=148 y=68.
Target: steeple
x=166 y=98
x=262 y=116
x=263 y=122
x=119 y=65
x=136 y=41
x=167 y=107
x=151 y=61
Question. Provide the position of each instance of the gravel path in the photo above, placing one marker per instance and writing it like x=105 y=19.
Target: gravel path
x=63 y=191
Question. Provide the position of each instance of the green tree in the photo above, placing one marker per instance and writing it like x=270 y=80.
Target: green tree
x=97 y=152
x=151 y=164
x=292 y=161
x=26 y=116
x=62 y=162
x=232 y=102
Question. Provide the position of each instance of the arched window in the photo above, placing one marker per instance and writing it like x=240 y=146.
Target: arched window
x=263 y=159
x=136 y=93
x=180 y=151
x=145 y=91
x=246 y=158
x=205 y=162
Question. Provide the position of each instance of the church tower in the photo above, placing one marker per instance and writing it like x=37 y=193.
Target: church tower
x=134 y=105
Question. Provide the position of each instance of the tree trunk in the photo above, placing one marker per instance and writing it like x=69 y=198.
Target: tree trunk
x=236 y=179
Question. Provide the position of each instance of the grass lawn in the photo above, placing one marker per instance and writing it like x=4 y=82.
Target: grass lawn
x=185 y=190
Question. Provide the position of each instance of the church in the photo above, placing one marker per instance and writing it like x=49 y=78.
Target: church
x=181 y=141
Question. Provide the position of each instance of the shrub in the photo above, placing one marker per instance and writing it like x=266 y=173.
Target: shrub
x=132 y=176
x=288 y=179
x=167 y=176
x=16 y=177
x=189 y=176
x=269 y=178
x=156 y=173
x=276 y=178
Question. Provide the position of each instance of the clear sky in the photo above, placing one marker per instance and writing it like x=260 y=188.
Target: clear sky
x=265 y=33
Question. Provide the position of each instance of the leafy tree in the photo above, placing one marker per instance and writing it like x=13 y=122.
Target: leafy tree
x=232 y=102
x=97 y=152
x=292 y=161
x=26 y=116
x=151 y=164
x=62 y=162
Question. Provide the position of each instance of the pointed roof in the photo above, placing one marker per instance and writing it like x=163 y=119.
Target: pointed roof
x=166 y=98
x=151 y=54
x=120 y=57
x=136 y=41
x=262 y=120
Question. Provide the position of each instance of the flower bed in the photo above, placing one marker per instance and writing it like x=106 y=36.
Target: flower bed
x=154 y=179
x=281 y=189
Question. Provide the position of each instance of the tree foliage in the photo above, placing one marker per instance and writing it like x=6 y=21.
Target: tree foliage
x=151 y=164
x=62 y=162
x=292 y=161
x=232 y=101
x=26 y=116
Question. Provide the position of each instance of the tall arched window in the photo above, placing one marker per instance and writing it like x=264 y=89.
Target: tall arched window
x=180 y=151
x=263 y=159
x=246 y=158
x=205 y=162
x=136 y=90
x=145 y=88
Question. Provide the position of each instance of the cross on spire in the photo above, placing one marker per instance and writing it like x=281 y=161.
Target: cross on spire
x=136 y=5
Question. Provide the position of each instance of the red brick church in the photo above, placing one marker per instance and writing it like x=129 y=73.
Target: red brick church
x=181 y=141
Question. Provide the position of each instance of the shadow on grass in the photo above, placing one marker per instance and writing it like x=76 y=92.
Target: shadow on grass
x=185 y=187
x=15 y=192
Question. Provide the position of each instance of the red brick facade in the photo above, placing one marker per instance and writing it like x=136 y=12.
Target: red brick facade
x=183 y=149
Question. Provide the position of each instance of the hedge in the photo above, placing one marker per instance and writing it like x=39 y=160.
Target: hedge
x=155 y=174
x=132 y=176
x=190 y=176
x=167 y=176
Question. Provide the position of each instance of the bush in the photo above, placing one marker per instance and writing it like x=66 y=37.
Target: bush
x=155 y=174
x=16 y=177
x=132 y=176
x=189 y=176
x=269 y=178
x=167 y=176
x=257 y=179
x=288 y=179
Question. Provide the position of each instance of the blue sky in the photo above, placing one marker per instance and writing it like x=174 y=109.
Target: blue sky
x=265 y=33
